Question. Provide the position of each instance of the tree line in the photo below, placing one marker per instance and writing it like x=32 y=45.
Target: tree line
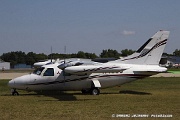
x=30 y=58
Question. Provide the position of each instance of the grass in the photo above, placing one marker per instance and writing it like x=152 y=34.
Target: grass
x=174 y=72
x=147 y=96
x=173 y=69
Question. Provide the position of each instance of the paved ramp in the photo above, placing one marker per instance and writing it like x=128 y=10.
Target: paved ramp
x=11 y=75
x=166 y=75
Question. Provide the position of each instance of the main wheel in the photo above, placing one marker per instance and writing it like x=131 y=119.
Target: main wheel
x=14 y=92
x=95 y=91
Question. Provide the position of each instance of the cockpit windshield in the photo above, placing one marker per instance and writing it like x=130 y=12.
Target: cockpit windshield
x=38 y=71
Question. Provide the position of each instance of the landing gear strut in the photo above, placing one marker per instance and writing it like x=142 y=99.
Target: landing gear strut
x=14 y=92
x=94 y=90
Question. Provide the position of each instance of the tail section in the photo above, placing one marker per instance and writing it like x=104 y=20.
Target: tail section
x=150 y=52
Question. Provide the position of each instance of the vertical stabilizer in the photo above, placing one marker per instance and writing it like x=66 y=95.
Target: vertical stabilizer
x=150 y=52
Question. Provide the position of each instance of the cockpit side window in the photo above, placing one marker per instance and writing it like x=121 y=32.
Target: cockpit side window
x=38 y=71
x=49 y=72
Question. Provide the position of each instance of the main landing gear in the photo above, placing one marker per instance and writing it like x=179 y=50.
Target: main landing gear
x=92 y=91
x=95 y=91
x=14 y=92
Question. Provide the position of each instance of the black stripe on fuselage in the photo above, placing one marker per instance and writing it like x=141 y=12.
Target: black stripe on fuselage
x=95 y=69
x=137 y=76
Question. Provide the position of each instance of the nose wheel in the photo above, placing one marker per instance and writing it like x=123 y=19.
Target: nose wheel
x=14 y=92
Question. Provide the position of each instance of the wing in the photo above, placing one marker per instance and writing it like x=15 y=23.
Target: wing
x=89 y=69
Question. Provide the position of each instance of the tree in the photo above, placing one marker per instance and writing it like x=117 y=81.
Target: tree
x=14 y=57
x=81 y=54
x=176 y=52
x=90 y=55
x=21 y=57
x=41 y=56
x=126 y=52
x=31 y=58
x=109 y=54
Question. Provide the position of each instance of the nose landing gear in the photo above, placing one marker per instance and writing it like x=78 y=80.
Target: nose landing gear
x=14 y=92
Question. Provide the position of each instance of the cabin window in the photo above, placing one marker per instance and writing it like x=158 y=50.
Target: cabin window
x=38 y=71
x=49 y=72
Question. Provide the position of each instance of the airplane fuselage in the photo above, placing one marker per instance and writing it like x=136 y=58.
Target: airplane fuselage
x=63 y=81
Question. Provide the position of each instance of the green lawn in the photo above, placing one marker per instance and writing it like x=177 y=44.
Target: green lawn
x=174 y=72
x=147 y=96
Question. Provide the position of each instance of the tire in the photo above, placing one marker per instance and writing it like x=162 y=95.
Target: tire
x=95 y=91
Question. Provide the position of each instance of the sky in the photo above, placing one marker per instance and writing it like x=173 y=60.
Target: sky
x=85 y=25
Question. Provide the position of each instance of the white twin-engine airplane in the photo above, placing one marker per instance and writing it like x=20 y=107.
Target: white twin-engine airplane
x=90 y=78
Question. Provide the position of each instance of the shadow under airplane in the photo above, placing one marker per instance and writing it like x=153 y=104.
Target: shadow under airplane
x=133 y=92
x=59 y=95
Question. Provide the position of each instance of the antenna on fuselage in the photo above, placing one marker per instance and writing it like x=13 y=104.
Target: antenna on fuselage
x=51 y=54
x=64 y=54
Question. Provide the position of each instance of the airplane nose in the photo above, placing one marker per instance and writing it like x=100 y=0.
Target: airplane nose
x=20 y=82
x=17 y=82
x=11 y=83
